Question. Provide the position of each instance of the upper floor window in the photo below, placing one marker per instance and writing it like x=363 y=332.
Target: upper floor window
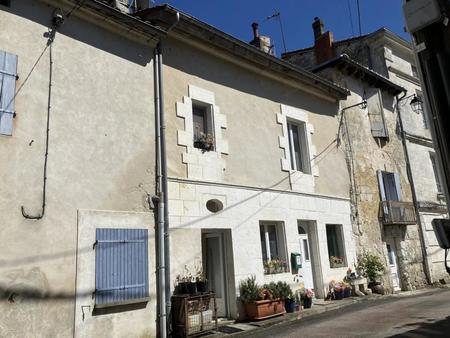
x=203 y=126
x=414 y=71
x=298 y=146
x=376 y=113
x=389 y=186
x=437 y=176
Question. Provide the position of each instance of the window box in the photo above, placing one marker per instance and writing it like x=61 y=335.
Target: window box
x=275 y=266
x=337 y=262
x=205 y=142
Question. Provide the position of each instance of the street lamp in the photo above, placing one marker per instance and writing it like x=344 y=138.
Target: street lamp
x=416 y=104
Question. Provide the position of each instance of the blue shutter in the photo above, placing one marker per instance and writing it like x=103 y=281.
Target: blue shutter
x=121 y=266
x=8 y=72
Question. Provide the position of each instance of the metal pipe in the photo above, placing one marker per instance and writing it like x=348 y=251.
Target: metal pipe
x=160 y=269
x=413 y=190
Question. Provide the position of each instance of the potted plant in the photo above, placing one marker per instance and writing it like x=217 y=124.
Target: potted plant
x=372 y=268
x=307 y=298
x=336 y=262
x=258 y=301
x=200 y=279
x=203 y=141
x=287 y=295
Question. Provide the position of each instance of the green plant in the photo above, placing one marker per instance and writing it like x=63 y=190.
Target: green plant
x=280 y=290
x=370 y=265
x=250 y=290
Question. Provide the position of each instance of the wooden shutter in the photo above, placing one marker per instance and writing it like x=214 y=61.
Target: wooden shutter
x=121 y=266
x=398 y=186
x=8 y=73
x=376 y=113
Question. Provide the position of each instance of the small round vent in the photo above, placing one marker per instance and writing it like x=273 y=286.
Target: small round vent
x=214 y=205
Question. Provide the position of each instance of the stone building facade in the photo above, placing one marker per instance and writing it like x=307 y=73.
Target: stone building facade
x=83 y=127
x=377 y=157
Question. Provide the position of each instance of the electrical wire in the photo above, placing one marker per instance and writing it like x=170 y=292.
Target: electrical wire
x=359 y=17
x=351 y=17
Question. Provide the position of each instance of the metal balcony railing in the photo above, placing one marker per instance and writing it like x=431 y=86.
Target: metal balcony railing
x=398 y=213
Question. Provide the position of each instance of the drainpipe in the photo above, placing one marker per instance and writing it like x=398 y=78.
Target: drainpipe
x=164 y=247
x=159 y=200
x=413 y=191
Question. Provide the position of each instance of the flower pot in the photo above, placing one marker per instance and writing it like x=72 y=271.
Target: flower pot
x=307 y=303
x=201 y=287
x=262 y=309
x=347 y=292
x=191 y=288
x=339 y=294
x=182 y=288
x=289 y=305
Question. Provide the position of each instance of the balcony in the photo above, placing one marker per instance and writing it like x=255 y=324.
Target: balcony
x=397 y=213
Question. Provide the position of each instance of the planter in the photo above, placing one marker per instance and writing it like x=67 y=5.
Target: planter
x=307 y=303
x=201 y=287
x=347 y=292
x=339 y=294
x=191 y=288
x=262 y=309
x=290 y=305
x=182 y=288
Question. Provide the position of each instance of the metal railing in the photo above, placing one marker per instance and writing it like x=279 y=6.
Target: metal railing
x=398 y=213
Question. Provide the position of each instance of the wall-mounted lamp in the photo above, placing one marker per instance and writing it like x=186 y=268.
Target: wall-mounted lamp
x=416 y=104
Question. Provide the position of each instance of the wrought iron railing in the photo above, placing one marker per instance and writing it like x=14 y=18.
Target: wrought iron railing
x=397 y=212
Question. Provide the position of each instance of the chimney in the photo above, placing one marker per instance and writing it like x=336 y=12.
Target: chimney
x=261 y=42
x=323 y=42
x=255 y=30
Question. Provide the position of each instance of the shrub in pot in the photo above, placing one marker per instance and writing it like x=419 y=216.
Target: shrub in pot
x=258 y=301
x=371 y=267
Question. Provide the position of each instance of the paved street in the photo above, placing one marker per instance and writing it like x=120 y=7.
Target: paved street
x=426 y=315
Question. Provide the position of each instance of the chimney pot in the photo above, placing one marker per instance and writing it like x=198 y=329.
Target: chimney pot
x=318 y=28
x=255 y=30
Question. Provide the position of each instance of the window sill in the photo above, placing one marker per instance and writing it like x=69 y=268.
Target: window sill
x=125 y=302
x=338 y=267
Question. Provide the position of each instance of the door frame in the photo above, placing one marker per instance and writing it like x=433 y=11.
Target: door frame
x=393 y=245
x=228 y=265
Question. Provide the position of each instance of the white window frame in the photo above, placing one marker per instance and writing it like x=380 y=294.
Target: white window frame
x=437 y=174
x=303 y=146
x=340 y=243
x=280 y=239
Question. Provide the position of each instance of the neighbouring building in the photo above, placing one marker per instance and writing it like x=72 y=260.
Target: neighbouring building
x=384 y=215
x=255 y=174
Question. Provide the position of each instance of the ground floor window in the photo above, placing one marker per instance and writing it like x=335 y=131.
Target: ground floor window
x=273 y=247
x=335 y=242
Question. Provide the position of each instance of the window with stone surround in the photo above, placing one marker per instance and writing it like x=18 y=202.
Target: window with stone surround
x=335 y=242
x=273 y=247
x=437 y=176
x=298 y=146
x=203 y=128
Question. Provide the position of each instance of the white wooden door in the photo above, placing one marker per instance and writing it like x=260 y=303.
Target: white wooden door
x=392 y=258
x=215 y=270
x=306 y=270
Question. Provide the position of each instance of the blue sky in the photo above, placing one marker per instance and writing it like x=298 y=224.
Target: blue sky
x=235 y=17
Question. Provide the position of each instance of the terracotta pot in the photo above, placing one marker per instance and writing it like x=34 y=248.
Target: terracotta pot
x=264 y=309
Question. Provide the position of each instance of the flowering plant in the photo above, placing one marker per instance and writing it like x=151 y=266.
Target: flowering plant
x=203 y=141
x=336 y=262
x=275 y=266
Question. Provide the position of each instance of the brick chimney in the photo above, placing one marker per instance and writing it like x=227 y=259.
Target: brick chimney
x=323 y=42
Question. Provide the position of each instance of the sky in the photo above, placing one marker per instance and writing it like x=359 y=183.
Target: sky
x=235 y=17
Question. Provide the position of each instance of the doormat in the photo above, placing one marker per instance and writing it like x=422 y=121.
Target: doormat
x=229 y=329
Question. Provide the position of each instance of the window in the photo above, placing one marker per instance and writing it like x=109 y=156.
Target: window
x=437 y=176
x=273 y=248
x=390 y=187
x=335 y=244
x=121 y=266
x=298 y=147
x=203 y=126
x=414 y=71
x=8 y=74
x=376 y=113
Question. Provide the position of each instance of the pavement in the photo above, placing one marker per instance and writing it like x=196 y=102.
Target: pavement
x=419 y=313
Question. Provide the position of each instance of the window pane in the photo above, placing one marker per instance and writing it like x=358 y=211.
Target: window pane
x=436 y=174
x=273 y=241
x=199 y=120
x=390 y=187
x=335 y=245
x=306 y=249
x=332 y=241
x=263 y=242
x=390 y=255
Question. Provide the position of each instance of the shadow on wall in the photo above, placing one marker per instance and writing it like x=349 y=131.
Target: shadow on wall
x=427 y=328
x=85 y=32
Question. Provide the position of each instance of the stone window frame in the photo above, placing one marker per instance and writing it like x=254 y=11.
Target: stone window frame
x=202 y=164
x=300 y=182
